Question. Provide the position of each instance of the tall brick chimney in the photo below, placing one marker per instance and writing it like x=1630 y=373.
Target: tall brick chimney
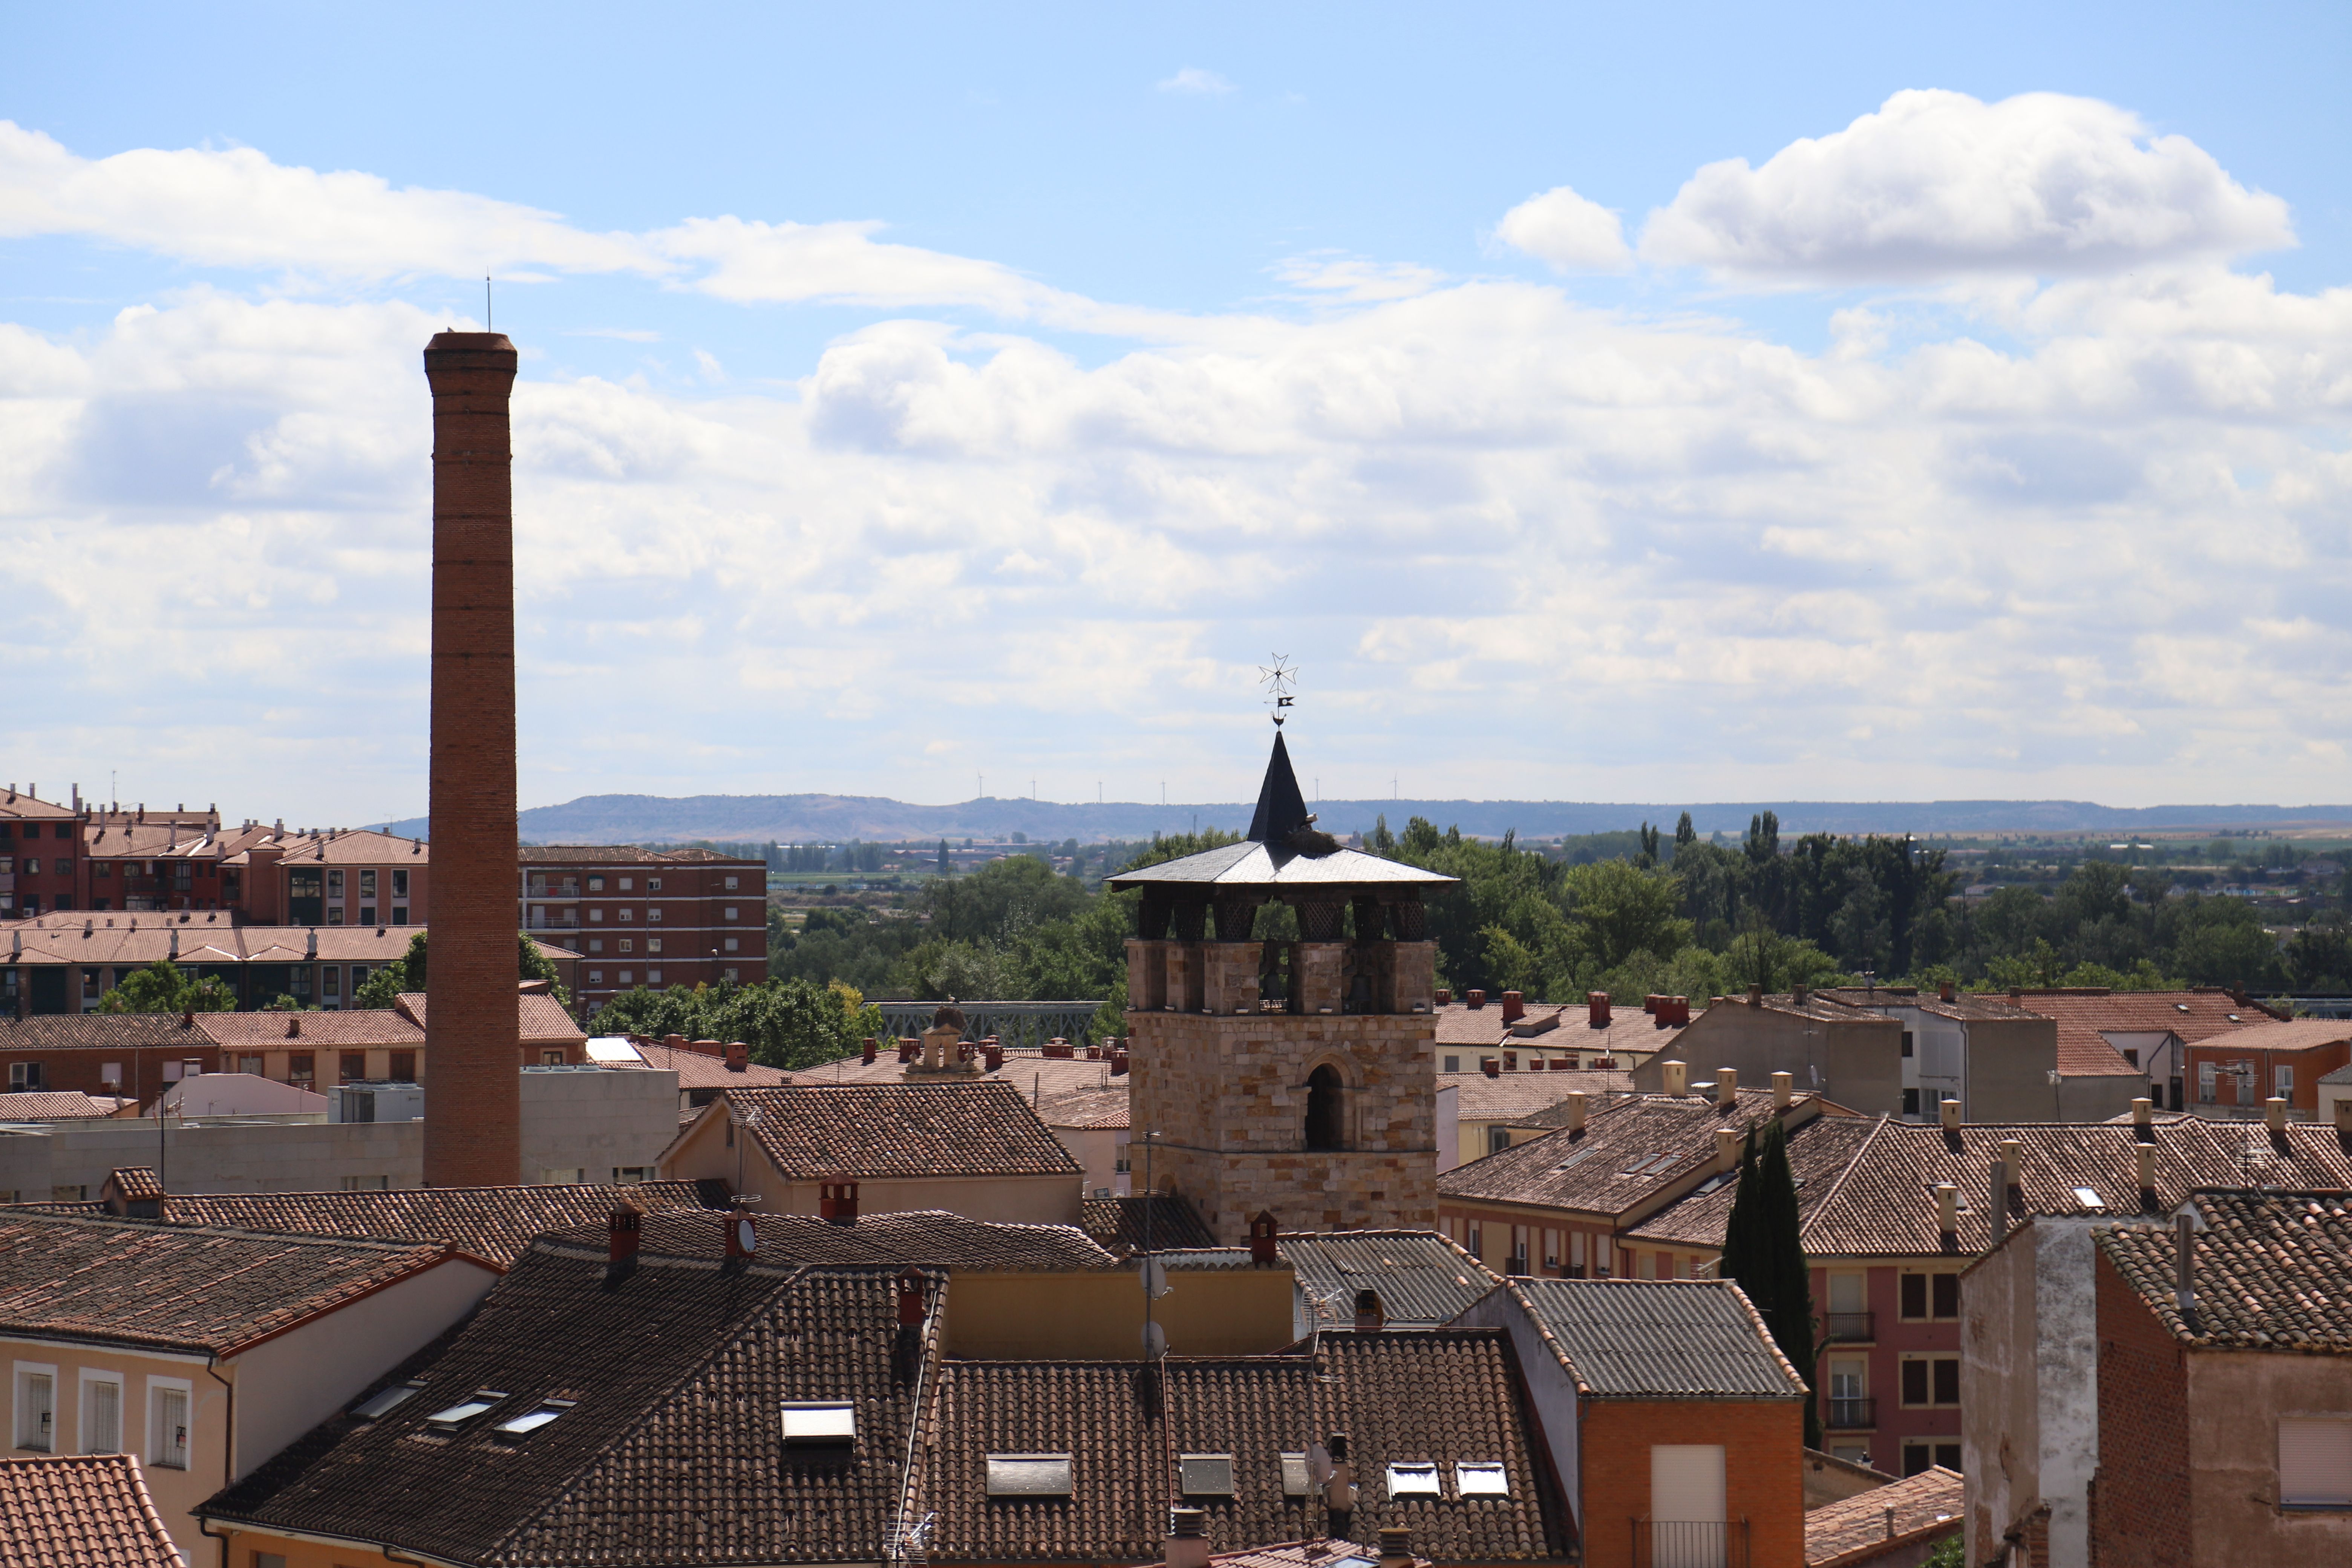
x=472 y=1097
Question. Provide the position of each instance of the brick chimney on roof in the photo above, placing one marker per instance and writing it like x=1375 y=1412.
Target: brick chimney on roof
x=472 y=1099
x=1515 y=1007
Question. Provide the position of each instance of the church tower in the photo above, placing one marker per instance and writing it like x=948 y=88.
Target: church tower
x=1294 y=1076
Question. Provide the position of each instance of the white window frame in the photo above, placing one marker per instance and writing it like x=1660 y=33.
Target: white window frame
x=23 y=1370
x=96 y=1377
x=157 y=1440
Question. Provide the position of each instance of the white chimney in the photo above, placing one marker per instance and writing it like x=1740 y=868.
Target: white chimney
x=2144 y=1165
x=2275 y=1113
x=1676 y=1077
x=1576 y=1113
x=1726 y=1086
x=1727 y=1148
x=1782 y=1083
x=1947 y=1208
x=1950 y=1111
x=2143 y=1111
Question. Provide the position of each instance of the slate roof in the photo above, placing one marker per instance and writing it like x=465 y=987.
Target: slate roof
x=493 y=1224
x=2082 y=1012
x=2270 y=1274
x=904 y=1130
x=1818 y=1153
x=1928 y=1507
x=84 y=1510
x=674 y=1449
x=539 y=1016
x=1660 y=1139
x=1116 y=1224
x=925 y=1237
x=169 y=1287
x=1658 y=1339
x=48 y=1106
x=1443 y=1395
x=1424 y=1280
x=1884 y=1202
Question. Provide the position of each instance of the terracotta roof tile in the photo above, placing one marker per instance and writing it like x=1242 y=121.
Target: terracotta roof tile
x=538 y=1018
x=99 y=1031
x=2293 y=1034
x=932 y=1238
x=354 y=847
x=2083 y=1014
x=983 y=1129
x=1926 y=1508
x=1423 y=1280
x=1630 y=1149
x=695 y=1070
x=1440 y=1396
x=205 y=937
x=141 y=1282
x=1517 y=1096
x=1818 y=1153
x=1118 y=1225
x=379 y=1027
x=2269 y=1273
x=46 y=1106
x=88 y=1511
x=1550 y=1026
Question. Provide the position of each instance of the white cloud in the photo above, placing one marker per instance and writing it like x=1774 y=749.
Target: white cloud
x=1937 y=184
x=1193 y=80
x=1573 y=233
x=1355 y=279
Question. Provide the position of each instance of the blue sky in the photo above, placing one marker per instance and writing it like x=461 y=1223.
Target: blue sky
x=1980 y=445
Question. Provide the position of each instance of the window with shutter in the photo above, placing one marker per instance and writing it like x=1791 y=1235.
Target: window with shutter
x=36 y=1411
x=167 y=1441
x=101 y=1418
x=1686 y=1482
x=2314 y=1462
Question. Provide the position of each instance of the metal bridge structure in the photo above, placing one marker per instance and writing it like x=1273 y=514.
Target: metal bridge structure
x=1027 y=1023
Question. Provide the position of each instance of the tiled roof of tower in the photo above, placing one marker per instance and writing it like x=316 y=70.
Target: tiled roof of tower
x=1659 y=1339
x=1424 y=1280
x=377 y=1026
x=1440 y=1396
x=493 y=1224
x=2270 y=1274
x=1116 y=1224
x=2083 y=1013
x=1857 y=1530
x=672 y=1450
x=931 y=1237
x=1629 y=1148
x=86 y=1510
x=170 y=1287
x=872 y=1131
x=540 y=1017
x=44 y=1106
x=1818 y=1153
x=1251 y=865
x=1884 y=1202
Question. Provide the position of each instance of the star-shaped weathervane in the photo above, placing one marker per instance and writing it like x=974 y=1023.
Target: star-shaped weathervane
x=1278 y=679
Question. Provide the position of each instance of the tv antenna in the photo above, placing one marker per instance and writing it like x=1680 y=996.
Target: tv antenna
x=1278 y=679
x=489 y=323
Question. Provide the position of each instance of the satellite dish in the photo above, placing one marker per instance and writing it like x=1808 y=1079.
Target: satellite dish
x=1155 y=1278
x=1155 y=1342
x=746 y=1238
x=1318 y=1463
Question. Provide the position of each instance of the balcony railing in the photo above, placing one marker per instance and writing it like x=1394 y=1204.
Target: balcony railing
x=1849 y=1326
x=1690 y=1543
x=1849 y=1415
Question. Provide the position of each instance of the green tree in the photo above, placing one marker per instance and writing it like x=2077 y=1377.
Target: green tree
x=408 y=973
x=946 y=866
x=1616 y=909
x=163 y=987
x=787 y=1023
x=1764 y=1251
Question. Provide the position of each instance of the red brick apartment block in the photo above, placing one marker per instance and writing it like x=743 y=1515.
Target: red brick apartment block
x=472 y=1135
x=39 y=853
x=656 y=918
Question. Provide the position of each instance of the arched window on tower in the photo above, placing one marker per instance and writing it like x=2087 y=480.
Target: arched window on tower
x=1324 y=1121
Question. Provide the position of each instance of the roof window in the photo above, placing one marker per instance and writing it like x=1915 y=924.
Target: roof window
x=1584 y=1153
x=1295 y=1481
x=1412 y=1478
x=2089 y=1198
x=539 y=1415
x=384 y=1400
x=826 y=1424
x=2233 y=1018
x=2180 y=1006
x=465 y=1410
x=1479 y=1478
x=1206 y=1475
x=1029 y=1475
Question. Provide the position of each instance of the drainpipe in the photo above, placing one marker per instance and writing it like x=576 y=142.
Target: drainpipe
x=228 y=1429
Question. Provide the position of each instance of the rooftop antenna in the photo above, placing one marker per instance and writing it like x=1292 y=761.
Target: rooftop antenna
x=1278 y=679
x=490 y=323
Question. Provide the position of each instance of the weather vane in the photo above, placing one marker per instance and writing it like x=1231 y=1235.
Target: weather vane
x=1278 y=680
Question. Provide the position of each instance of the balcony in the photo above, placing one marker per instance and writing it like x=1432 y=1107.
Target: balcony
x=1848 y=1327
x=1690 y=1543
x=1851 y=1414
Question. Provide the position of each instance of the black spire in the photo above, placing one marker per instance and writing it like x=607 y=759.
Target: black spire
x=1281 y=809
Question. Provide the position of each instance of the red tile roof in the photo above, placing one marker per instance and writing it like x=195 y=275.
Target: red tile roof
x=2082 y=1013
x=1819 y=1151
x=875 y=1130
x=353 y=846
x=359 y=1027
x=170 y=1287
x=1549 y=1026
x=1856 y=1530
x=929 y=1237
x=1514 y=1096
x=695 y=1070
x=86 y=1510
x=44 y=1106
x=2269 y=1273
x=2294 y=1035
x=541 y=1018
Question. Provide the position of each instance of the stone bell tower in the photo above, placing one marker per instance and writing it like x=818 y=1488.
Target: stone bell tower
x=1295 y=1076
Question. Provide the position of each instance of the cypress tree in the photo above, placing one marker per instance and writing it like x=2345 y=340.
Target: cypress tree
x=1763 y=1250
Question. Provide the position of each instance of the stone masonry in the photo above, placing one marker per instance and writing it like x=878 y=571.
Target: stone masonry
x=1226 y=1087
x=472 y=1101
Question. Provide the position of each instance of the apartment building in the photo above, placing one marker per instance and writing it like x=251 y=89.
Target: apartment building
x=655 y=917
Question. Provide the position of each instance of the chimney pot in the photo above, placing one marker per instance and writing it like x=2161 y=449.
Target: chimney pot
x=674 y=1042
x=2143 y=1111
x=1475 y=998
x=622 y=1226
x=1727 y=1148
x=738 y=1056
x=869 y=1050
x=1187 y=1540
x=1575 y=1113
x=1396 y=1546
x=1676 y=1077
x=1262 y=1240
x=1118 y=1059
x=1797 y=992
x=2275 y=1113
x=910 y=1299
x=1945 y=991
x=1950 y=1111
x=2144 y=1161
x=1445 y=995
x=293 y=1026
x=1371 y=1316
x=2344 y=1116
x=2184 y=1261
x=1756 y=995
x=1727 y=1087
x=838 y=1201
x=1596 y=1006
x=906 y=1049
x=1947 y=1208
x=1784 y=1086
x=2013 y=1163
x=1654 y=1003
x=1491 y=1066
x=1515 y=1007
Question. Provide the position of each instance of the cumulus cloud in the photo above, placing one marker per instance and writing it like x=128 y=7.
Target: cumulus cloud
x=1355 y=279
x=1193 y=80
x=1572 y=232
x=1937 y=184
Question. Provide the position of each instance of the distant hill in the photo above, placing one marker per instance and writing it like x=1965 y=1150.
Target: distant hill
x=831 y=818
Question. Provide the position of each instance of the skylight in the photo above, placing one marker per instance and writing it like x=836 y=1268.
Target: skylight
x=539 y=1415
x=1028 y=1475
x=1584 y=1153
x=1411 y=1478
x=2089 y=1198
x=831 y=1423
x=465 y=1410
x=1295 y=1479
x=1480 y=1478
x=1206 y=1475
x=385 y=1399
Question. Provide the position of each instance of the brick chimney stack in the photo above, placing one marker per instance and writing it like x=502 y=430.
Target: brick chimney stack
x=472 y=1099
